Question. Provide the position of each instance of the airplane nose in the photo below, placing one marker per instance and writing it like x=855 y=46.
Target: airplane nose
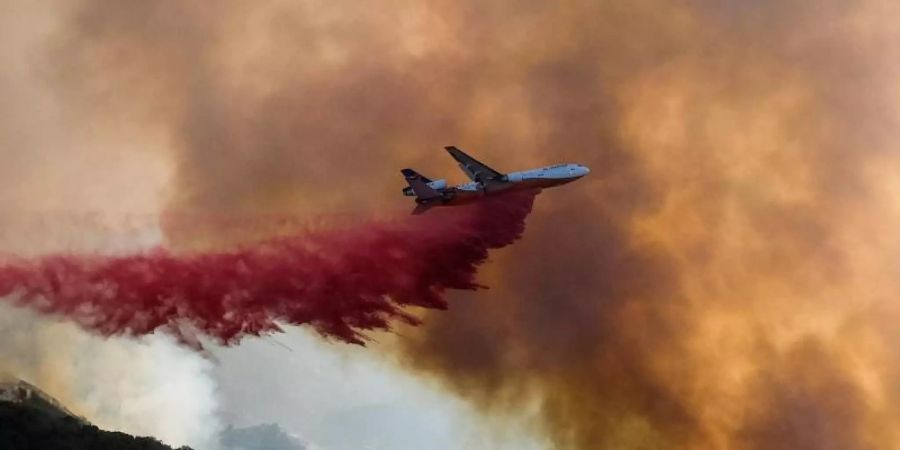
x=585 y=170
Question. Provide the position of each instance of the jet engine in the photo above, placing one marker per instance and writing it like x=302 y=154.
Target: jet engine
x=438 y=184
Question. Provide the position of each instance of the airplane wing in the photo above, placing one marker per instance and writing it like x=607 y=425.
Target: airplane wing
x=472 y=167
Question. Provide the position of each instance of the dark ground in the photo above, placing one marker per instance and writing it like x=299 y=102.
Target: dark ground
x=25 y=427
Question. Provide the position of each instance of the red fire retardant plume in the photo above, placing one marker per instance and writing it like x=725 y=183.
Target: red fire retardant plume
x=341 y=282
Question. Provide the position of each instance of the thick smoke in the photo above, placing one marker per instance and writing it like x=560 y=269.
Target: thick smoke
x=729 y=284
x=340 y=281
x=70 y=188
x=723 y=279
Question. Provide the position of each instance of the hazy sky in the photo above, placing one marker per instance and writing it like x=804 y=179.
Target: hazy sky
x=724 y=278
x=343 y=397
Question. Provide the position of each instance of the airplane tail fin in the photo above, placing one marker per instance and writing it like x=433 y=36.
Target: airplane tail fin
x=418 y=186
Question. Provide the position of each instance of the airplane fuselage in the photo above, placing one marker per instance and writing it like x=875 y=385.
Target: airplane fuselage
x=540 y=178
x=485 y=181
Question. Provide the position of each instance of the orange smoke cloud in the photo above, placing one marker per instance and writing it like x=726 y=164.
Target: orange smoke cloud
x=724 y=278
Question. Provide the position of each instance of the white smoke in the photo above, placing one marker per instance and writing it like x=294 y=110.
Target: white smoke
x=345 y=397
x=147 y=387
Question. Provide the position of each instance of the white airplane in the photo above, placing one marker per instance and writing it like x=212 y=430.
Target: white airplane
x=485 y=181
